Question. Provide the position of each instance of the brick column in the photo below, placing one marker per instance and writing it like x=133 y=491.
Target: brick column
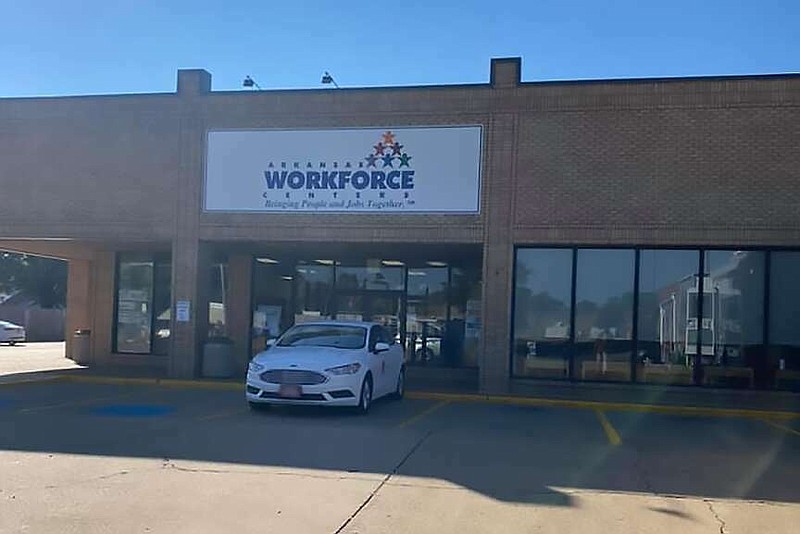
x=498 y=254
x=240 y=270
x=190 y=258
x=191 y=269
x=79 y=300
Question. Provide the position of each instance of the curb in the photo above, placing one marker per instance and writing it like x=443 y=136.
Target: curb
x=433 y=396
x=29 y=380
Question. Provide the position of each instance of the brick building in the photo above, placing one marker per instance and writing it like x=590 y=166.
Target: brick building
x=567 y=243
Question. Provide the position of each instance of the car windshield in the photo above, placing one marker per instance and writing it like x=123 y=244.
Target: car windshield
x=338 y=336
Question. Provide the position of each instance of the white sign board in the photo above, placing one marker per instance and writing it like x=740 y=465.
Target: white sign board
x=406 y=170
x=182 y=311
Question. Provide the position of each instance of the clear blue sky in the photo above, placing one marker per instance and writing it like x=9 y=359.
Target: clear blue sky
x=58 y=47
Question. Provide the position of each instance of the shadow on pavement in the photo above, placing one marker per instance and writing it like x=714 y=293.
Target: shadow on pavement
x=510 y=453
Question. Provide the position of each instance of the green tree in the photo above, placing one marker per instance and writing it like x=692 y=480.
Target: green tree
x=43 y=280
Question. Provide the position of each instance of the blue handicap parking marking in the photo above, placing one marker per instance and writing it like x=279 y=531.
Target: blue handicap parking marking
x=133 y=410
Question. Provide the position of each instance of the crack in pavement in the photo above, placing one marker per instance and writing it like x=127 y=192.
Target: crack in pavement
x=722 y=524
x=386 y=479
x=169 y=464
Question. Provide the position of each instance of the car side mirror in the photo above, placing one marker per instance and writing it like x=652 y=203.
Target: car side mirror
x=381 y=347
x=271 y=342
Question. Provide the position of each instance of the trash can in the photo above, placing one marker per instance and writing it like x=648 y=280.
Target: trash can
x=218 y=358
x=82 y=347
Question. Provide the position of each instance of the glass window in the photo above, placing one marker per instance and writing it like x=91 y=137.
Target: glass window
x=162 y=306
x=667 y=300
x=272 y=297
x=464 y=328
x=426 y=318
x=784 y=320
x=377 y=277
x=313 y=292
x=542 y=299
x=143 y=304
x=217 y=300
x=134 y=305
x=342 y=337
x=604 y=314
x=733 y=318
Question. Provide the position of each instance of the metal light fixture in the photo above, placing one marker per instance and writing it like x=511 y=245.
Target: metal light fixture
x=327 y=79
x=250 y=83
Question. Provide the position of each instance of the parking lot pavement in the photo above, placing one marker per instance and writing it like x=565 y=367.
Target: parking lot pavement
x=100 y=458
x=20 y=361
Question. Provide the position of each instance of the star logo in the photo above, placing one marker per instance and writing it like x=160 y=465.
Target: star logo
x=397 y=149
x=404 y=159
x=387 y=160
x=388 y=138
x=379 y=148
x=371 y=159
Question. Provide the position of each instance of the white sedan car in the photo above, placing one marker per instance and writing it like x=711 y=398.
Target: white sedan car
x=11 y=333
x=327 y=363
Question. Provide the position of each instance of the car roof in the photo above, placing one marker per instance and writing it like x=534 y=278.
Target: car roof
x=362 y=324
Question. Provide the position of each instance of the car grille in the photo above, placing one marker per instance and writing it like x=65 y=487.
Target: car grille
x=304 y=396
x=293 y=377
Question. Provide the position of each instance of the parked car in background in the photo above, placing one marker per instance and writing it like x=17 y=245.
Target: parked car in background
x=330 y=363
x=11 y=333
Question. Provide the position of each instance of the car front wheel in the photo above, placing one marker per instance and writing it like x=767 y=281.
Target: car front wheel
x=400 y=389
x=365 y=399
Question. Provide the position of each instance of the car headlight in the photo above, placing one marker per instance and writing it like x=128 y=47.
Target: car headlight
x=349 y=369
x=255 y=367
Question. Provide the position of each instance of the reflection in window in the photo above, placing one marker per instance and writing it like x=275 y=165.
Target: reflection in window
x=272 y=297
x=667 y=300
x=465 y=315
x=542 y=312
x=604 y=314
x=162 y=307
x=134 y=306
x=733 y=318
x=143 y=304
x=217 y=300
x=314 y=292
x=784 y=321
x=377 y=278
x=427 y=332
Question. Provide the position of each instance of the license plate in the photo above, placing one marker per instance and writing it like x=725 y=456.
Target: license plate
x=290 y=392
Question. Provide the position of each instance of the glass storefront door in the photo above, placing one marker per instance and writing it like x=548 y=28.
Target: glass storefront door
x=383 y=307
x=430 y=307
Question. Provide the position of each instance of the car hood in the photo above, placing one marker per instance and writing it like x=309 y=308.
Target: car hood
x=309 y=358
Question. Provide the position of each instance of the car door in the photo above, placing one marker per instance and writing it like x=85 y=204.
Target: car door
x=394 y=361
x=377 y=363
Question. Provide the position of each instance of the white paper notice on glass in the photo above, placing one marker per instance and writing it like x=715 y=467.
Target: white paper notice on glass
x=182 y=311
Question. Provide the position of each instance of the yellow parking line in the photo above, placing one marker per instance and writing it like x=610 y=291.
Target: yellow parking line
x=611 y=433
x=781 y=427
x=73 y=403
x=424 y=413
x=602 y=405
